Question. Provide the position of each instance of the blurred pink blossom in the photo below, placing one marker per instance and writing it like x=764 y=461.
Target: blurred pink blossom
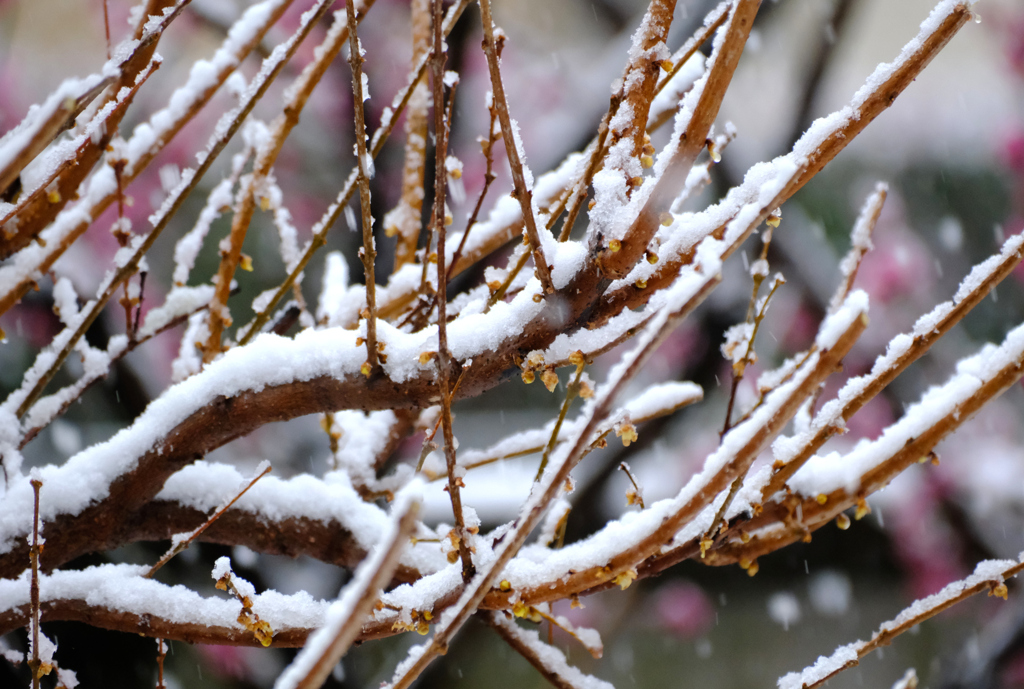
x=683 y=608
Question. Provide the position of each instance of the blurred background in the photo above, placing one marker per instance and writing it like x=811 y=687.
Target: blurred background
x=951 y=150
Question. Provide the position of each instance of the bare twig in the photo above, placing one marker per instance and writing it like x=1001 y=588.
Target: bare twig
x=444 y=364
x=523 y=193
x=182 y=541
x=363 y=163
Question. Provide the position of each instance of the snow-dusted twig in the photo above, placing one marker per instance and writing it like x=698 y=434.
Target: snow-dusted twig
x=860 y=243
x=128 y=258
x=34 y=662
x=733 y=458
x=146 y=141
x=174 y=312
x=714 y=19
x=989 y=575
x=639 y=85
x=903 y=350
x=513 y=149
x=819 y=145
x=549 y=661
x=826 y=486
x=442 y=130
x=624 y=246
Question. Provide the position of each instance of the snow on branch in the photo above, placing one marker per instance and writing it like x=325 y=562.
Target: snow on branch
x=386 y=367
x=547 y=659
x=988 y=575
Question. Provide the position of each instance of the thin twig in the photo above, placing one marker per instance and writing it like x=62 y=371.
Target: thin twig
x=407 y=218
x=444 y=364
x=546 y=659
x=523 y=193
x=34 y=663
x=179 y=544
x=985 y=578
x=570 y=394
x=332 y=214
x=368 y=251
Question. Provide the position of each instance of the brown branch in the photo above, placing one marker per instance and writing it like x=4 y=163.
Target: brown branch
x=442 y=130
x=515 y=637
x=523 y=193
x=572 y=201
x=736 y=465
x=641 y=78
x=887 y=371
x=85 y=382
x=59 y=119
x=368 y=253
x=616 y=264
x=39 y=209
x=407 y=217
x=712 y=22
x=220 y=140
x=327 y=540
x=267 y=156
x=196 y=100
x=776 y=526
x=943 y=600
x=34 y=662
x=823 y=151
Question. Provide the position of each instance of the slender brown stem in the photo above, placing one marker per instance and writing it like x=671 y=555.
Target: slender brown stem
x=34 y=663
x=106 y=26
x=161 y=654
x=407 y=217
x=444 y=363
x=368 y=252
x=489 y=177
x=332 y=214
x=523 y=193
x=570 y=395
x=181 y=545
